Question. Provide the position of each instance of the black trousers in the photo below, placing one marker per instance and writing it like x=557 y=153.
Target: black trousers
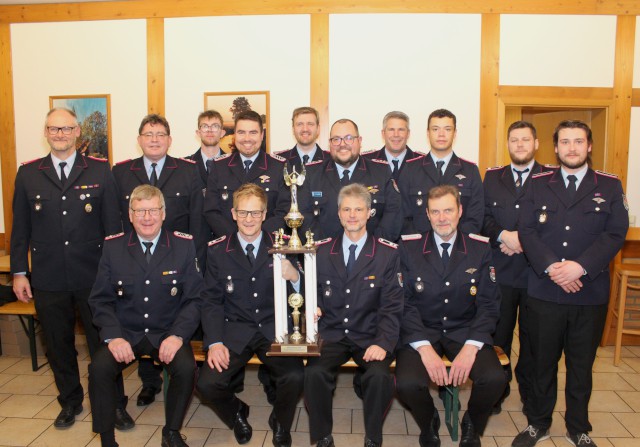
x=149 y=374
x=576 y=330
x=412 y=382
x=320 y=383
x=219 y=388
x=513 y=307
x=103 y=373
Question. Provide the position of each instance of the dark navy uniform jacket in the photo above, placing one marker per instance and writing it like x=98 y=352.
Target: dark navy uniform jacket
x=292 y=158
x=238 y=297
x=380 y=155
x=365 y=306
x=62 y=228
x=460 y=303
x=319 y=198
x=590 y=231
x=421 y=175
x=132 y=299
x=182 y=188
x=202 y=169
x=502 y=209
x=228 y=175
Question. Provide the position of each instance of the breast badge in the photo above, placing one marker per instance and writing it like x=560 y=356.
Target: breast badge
x=88 y=208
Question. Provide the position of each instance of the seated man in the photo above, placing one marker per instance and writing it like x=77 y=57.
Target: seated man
x=238 y=320
x=452 y=305
x=360 y=303
x=146 y=302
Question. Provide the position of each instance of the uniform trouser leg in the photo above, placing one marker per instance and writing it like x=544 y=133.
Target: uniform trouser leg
x=412 y=383
x=149 y=374
x=182 y=372
x=57 y=315
x=319 y=385
x=584 y=330
x=547 y=323
x=103 y=389
x=524 y=367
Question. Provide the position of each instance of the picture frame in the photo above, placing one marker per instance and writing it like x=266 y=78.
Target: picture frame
x=94 y=119
x=231 y=103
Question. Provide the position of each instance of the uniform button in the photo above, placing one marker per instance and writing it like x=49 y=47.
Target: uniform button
x=375 y=200
x=126 y=197
x=257 y=311
x=146 y=330
x=315 y=203
x=229 y=277
x=564 y=244
x=472 y=280
x=119 y=283
x=495 y=203
x=446 y=283
x=146 y=315
x=66 y=242
x=146 y=298
x=346 y=320
x=346 y=331
x=266 y=189
x=372 y=285
x=147 y=282
x=64 y=213
x=544 y=207
x=253 y=279
x=418 y=279
x=259 y=324
x=419 y=193
x=255 y=295
x=517 y=206
x=175 y=282
x=446 y=301
x=178 y=194
x=444 y=330
x=328 y=282
x=63 y=197
x=348 y=291
x=567 y=228
x=444 y=318
x=597 y=208
x=38 y=196
x=563 y=259
x=347 y=306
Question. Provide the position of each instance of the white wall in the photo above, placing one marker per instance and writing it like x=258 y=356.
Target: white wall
x=557 y=50
x=415 y=63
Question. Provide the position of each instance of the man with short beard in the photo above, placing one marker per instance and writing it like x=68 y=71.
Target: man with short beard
x=306 y=128
x=573 y=222
x=210 y=131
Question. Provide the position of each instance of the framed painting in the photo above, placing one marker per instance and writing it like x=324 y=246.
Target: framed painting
x=94 y=118
x=229 y=104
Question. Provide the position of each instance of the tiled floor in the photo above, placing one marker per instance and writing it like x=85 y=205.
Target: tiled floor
x=28 y=407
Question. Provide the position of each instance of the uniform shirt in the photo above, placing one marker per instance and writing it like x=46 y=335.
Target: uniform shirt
x=383 y=154
x=149 y=168
x=294 y=156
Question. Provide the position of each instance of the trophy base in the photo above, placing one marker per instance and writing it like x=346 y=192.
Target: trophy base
x=295 y=349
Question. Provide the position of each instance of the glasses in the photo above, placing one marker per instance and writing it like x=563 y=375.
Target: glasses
x=53 y=130
x=245 y=213
x=348 y=139
x=210 y=128
x=154 y=212
x=150 y=135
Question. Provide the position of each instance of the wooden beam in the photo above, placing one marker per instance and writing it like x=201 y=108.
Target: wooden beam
x=489 y=77
x=320 y=72
x=155 y=66
x=560 y=96
x=7 y=129
x=142 y=9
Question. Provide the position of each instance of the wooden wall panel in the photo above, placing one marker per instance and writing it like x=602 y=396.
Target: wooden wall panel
x=7 y=127
x=155 y=66
x=320 y=72
x=489 y=77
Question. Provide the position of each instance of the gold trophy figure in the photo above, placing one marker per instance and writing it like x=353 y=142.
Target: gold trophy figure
x=294 y=217
x=296 y=300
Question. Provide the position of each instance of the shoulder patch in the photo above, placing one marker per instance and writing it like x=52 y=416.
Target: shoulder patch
x=182 y=235
x=411 y=237
x=29 y=162
x=216 y=241
x=419 y=157
x=606 y=174
x=380 y=161
x=477 y=237
x=388 y=243
x=113 y=236
x=542 y=174
x=313 y=163
x=222 y=157
x=323 y=241
x=103 y=160
x=188 y=160
x=278 y=157
x=123 y=162
x=495 y=168
x=468 y=161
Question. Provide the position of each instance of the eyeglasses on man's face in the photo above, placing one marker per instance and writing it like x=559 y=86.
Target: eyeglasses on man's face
x=66 y=130
x=348 y=139
x=253 y=213
x=154 y=212
x=151 y=135
x=215 y=127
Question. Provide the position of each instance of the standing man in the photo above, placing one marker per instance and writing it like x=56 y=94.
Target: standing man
x=504 y=190
x=395 y=133
x=574 y=220
x=146 y=301
x=248 y=164
x=306 y=128
x=358 y=318
x=319 y=197
x=181 y=186
x=452 y=306
x=441 y=166
x=210 y=131
x=238 y=319
x=63 y=206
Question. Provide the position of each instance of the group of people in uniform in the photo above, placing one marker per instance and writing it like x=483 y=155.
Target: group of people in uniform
x=417 y=257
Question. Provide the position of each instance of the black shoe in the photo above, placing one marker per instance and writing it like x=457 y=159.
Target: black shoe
x=497 y=407
x=281 y=437
x=530 y=436
x=469 y=438
x=67 y=416
x=241 y=428
x=580 y=440
x=173 y=438
x=369 y=443
x=431 y=439
x=123 y=420
x=327 y=441
x=147 y=396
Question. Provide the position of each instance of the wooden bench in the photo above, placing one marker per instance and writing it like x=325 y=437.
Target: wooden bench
x=25 y=311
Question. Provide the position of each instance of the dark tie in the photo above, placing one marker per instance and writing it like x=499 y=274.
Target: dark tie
x=344 y=181
x=250 y=255
x=208 y=165
x=63 y=176
x=519 y=181
x=439 y=165
x=154 y=175
x=352 y=258
x=247 y=166
x=396 y=169
x=305 y=159
x=147 y=251
x=571 y=187
x=445 y=253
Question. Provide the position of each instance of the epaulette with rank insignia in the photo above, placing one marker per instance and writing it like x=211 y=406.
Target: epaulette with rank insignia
x=411 y=237
x=477 y=237
x=222 y=157
x=380 y=161
x=606 y=174
x=422 y=154
x=113 y=236
x=542 y=174
x=419 y=157
x=468 y=161
x=278 y=157
x=313 y=163
x=494 y=168
x=322 y=242
x=29 y=162
x=368 y=152
x=216 y=241
x=123 y=161
x=388 y=243
x=188 y=160
x=182 y=235
x=103 y=160
x=550 y=166
x=280 y=152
